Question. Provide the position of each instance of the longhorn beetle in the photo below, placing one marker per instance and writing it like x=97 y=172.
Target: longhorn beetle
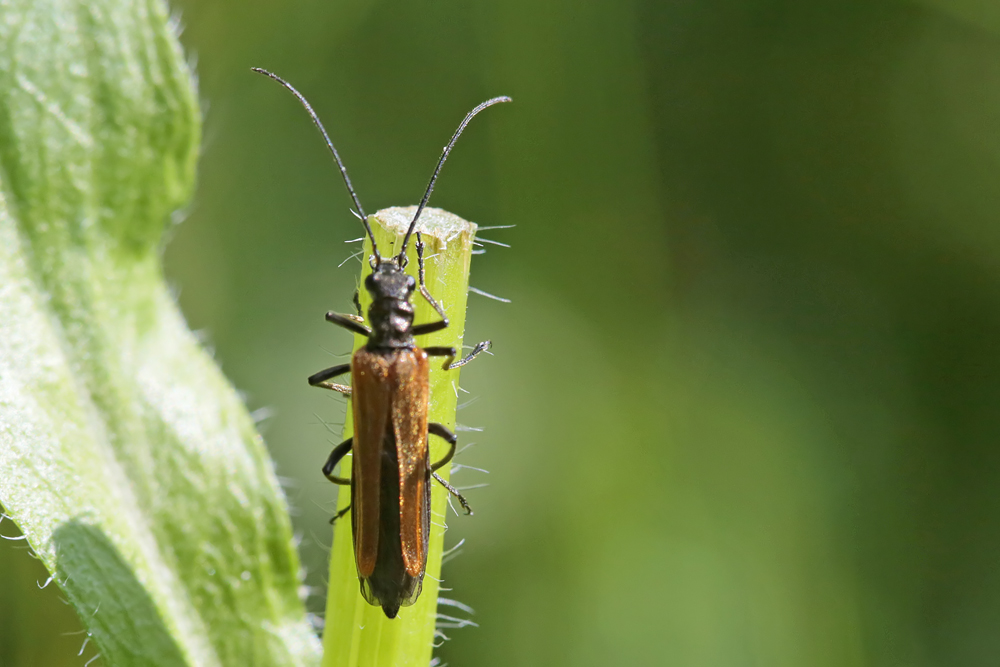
x=391 y=471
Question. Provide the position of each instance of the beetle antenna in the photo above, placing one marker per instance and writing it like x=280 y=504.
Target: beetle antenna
x=437 y=170
x=329 y=144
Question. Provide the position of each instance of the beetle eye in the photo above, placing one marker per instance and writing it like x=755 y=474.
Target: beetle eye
x=410 y=282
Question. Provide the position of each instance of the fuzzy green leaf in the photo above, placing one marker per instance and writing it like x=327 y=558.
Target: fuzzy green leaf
x=126 y=459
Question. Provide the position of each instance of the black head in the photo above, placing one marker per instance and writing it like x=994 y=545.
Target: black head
x=389 y=281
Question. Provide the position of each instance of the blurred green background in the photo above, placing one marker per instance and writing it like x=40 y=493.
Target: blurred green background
x=745 y=403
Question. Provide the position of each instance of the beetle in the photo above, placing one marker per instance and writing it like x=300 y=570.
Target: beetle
x=391 y=469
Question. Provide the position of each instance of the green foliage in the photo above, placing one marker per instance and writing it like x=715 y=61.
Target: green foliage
x=126 y=459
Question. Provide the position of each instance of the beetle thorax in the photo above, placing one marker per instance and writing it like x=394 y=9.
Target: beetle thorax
x=391 y=313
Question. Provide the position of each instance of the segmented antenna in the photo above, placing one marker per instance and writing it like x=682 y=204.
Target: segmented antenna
x=336 y=155
x=401 y=257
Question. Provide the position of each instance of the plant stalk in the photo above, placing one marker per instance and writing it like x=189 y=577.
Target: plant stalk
x=358 y=634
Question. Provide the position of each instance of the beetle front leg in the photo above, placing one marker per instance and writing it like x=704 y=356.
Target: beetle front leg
x=430 y=327
x=321 y=379
x=357 y=305
x=349 y=322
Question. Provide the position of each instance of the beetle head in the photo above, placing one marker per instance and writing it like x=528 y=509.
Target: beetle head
x=388 y=281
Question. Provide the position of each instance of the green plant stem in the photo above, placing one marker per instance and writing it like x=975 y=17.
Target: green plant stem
x=358 y=634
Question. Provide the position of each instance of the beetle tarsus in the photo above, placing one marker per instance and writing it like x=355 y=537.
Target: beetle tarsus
x=340 y=514
x=476 y=351
x=344 y=389
x=453 y=491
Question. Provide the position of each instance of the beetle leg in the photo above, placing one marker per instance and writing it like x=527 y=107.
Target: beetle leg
x=348 y=322
x=453 y=491
x=340 y=514
x=320 y=379
x=449 y=352
x=431 y=327
x=339 y=452
x=476 y=351
x=441 y=431
x=360 y=317
x=344 y=389
x=438 y=351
